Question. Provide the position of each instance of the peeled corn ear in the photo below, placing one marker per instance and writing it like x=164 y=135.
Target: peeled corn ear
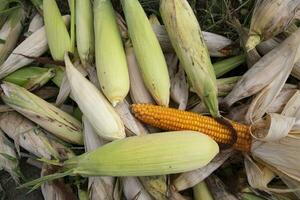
x=270 y=17
x=148 y=53
x=188 y=42
x=93 y=105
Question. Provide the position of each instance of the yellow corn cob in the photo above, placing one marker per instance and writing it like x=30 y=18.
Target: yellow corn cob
x=173 y=119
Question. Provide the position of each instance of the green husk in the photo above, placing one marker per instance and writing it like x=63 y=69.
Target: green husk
x=110 y=55
x=228 y=64
x=10 y=33
x=147 y=155
x=59 y=40
x=85 y=32
x=188 y=42
x=31 y=78
x=148 y=52
x=43 y=113
x=201 y=192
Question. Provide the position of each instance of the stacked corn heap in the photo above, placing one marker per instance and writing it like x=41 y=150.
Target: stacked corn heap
x=97 y=59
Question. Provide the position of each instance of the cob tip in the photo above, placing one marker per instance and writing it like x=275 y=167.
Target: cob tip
x=252 y=42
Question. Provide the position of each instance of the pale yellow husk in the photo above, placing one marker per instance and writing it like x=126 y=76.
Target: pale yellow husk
x=43 y=113
x=148 y=53
x=188 y=42
x=156 y=186
x=111 y=62
x=93 y=105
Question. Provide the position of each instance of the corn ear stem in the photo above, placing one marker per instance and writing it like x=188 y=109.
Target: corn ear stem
x=202 y=192
x=43 y=113
x=110 y=55
x=58 y=37
x=148 y=52
x=228 y=64
x=188 y=42
x=85 y=32
x=93 y=105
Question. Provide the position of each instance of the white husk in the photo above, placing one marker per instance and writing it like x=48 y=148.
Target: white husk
x=192 y=178
x=133 y=189
x=93 y=105
x=132 y=125
x=35 y=45
x=179 y=90
x=36 y=23
x=42 y=113
x=10 y=33
x=8 y=157
x=98 y=187
x=138 y=91
x=214 y=42
x=273 y=63
x=28 y=135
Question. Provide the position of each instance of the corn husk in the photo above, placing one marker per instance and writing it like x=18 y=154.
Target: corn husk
x=175 y=195
x=276 y=63
x=46 y=92
x=110 y=56
x=226 y=65
x=96 y=108
x=133 y=189
x=179 y=88
x=138 y=90
x=218 y=46
x=43 y=113
x=35 y=45
x=98 y=187
x=218 y=189
x=190 y=179
x=56 y=190
x=3 y=6
x=225 y=85
x=132 y=125
x=270 y=17
x=8 y=157
x=201 y=192
x=187 y=40
x=85 y=32
x=38 y=5
x=10 y=33
x=59 y=40
x=146 y=48
x=156 y=186
x=35 y=24
x=30 y=137
x=147 y=155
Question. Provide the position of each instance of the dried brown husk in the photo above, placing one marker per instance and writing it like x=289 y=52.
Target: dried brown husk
x=218 y=189
x=190 y=179
x=32 y=138
x=179 y=90
x=280 y=59
x=133 y=189
x=98 y=187
x=270 y=17
x=55 y=190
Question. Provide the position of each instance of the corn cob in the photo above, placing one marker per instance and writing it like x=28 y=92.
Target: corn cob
x=147 y=155
x=270 y=17
x=172 y=119
x=43 y=113
x=59 y=40
x=148 y=52
x=187 y=40
x=10 y=33
x=85 y=32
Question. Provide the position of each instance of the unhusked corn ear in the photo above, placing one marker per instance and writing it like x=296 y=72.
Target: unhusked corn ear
x=270 y=17
x=175 y=120
x=110 y=55
x=94 y=105
x=148 y=52
x=43 y=113
x=188 y=42
x=59 y=40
